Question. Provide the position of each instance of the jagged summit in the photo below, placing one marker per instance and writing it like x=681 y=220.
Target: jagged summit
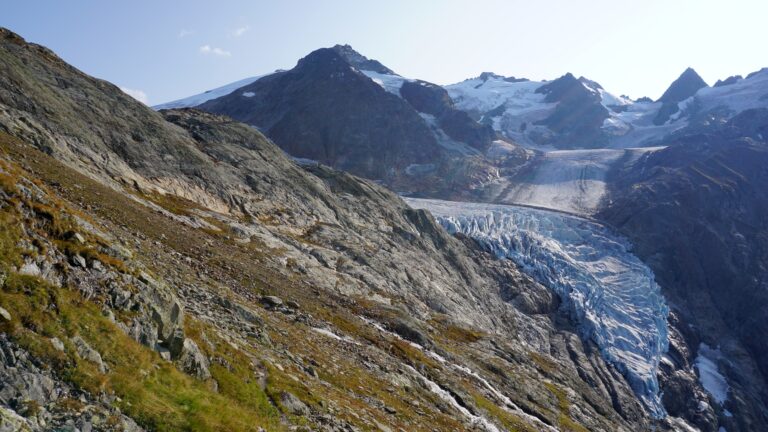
x=485 y=76
x=360 y=61
x=685 y=86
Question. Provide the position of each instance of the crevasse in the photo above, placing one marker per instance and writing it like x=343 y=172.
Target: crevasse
x=607 y=291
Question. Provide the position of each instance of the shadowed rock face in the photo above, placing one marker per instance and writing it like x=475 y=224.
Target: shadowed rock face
x=696 y=212
x=685 y=86
x=579 y=114
x=326 y=111
x=434 y=100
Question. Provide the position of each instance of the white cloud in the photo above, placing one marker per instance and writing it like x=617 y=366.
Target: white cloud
x=184 y=33
x=136 y=94
x=207 y=49
x=240 y=31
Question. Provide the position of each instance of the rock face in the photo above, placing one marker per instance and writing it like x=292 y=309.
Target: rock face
x=579 y=115
x=696 y=213
x=681 y=89
x=685 y=86
x=359 y=61
x=432 y=99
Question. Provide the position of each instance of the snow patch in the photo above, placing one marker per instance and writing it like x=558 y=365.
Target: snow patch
x=390 y=82
x=420 y=169
x=305 y=161
x=249 y=94
x=709 y=376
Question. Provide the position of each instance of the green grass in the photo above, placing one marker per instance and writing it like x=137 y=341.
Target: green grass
x=152 y=391
x=509 y=421
x=564 y=419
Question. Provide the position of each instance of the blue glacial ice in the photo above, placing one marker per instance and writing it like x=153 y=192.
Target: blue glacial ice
x=606 y=290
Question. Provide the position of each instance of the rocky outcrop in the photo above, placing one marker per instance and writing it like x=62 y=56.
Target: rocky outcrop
x=359 y=61
x=33 y=398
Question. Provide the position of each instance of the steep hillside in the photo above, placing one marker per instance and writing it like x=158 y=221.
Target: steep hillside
x=696 y=213
x=177 y=271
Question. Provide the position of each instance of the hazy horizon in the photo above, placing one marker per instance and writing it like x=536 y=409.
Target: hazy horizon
x=167 y=51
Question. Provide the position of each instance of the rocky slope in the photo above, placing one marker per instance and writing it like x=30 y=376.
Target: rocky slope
x=176 y=270
x=696 y=213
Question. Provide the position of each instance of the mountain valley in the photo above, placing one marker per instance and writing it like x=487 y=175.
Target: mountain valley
x=336 y=247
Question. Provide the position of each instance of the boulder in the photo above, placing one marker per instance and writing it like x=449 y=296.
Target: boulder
x=193 y=361
x=57 y=344
x=293 y=404
x=87 y=353
x=271 y=302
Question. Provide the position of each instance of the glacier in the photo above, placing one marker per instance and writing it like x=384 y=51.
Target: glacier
x=605 y=289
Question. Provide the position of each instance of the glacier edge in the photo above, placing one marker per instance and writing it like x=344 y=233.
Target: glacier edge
x=605 y=289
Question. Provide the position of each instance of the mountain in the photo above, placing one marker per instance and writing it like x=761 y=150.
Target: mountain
x=292 y=108
x=695 y=212
x=176 y=270
x=380 y=131
x=528 y=113
x=179 y=270
x=405 y=133
x=685 y=86
x=681 y=89
x=579 y=114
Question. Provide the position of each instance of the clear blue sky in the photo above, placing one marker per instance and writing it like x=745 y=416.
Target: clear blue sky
x=172 y=49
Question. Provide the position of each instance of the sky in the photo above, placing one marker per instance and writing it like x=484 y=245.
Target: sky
x=165 y=50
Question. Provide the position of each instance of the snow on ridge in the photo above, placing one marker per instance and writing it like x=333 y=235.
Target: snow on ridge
x=485 y=95
x=744 y=94
x=390 y=82
x=607 y=291
x=218 y=92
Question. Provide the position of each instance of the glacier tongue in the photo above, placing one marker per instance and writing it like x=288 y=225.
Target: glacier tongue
x=607 y=291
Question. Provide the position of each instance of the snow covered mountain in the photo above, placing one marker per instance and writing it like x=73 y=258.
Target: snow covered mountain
x=525 y=112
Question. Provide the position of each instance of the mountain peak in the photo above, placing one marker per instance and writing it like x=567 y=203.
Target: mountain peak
x=685 y=86
x=485 y=76
x=360 y=61
x=323 y=58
